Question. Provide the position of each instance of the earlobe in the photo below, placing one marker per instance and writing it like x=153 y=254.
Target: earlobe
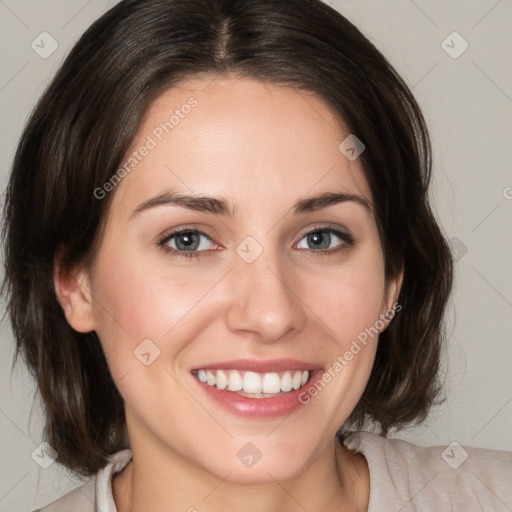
x=72 y=288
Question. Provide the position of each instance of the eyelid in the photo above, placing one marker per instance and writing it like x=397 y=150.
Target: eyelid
x=174 y=232
x=347 y=238
x=326 y=227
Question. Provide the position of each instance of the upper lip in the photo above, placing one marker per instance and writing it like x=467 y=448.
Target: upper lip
x=259 y=366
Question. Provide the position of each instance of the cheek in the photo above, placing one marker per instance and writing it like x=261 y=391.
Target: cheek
x=349 y=299
x=139 y=312
x=136 y=300
x=348 y=304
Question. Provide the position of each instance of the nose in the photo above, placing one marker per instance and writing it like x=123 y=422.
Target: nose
x=263 y=299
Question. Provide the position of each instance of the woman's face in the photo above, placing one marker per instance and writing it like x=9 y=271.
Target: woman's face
x=256 y=284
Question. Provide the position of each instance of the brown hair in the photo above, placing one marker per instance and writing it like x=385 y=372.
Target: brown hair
x=82 y=127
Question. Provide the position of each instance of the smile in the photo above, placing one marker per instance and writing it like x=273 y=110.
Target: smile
x=254 y=384
x=256 y=388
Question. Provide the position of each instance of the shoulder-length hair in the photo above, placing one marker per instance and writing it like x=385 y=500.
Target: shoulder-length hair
x=82 y=127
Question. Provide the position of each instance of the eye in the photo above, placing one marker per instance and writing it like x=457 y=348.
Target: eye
x=321 y=238
x=186 y=242
x=190 y=243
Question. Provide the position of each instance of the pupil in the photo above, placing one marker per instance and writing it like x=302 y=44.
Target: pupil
x=189 y=240
x=316 y=237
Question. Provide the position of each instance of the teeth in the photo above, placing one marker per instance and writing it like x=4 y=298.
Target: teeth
x=286 y=382
x=210 y=378
x=254 y=383
x=271 y=383
x=234 y=381
x=296 y=380
x=221 y=380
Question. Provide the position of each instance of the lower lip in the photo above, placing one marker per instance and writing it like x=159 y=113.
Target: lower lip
x=281 y=405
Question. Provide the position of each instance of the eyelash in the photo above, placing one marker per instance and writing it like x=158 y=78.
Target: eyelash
x=347 y=239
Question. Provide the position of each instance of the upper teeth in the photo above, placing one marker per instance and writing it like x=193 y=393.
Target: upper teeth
x=252 y=382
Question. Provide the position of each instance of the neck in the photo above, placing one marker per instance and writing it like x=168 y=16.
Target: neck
x=337 y=479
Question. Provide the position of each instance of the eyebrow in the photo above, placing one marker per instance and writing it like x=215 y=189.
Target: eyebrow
x=220 y=206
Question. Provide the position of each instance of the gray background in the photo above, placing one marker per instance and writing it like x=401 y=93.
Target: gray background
x=467 y=102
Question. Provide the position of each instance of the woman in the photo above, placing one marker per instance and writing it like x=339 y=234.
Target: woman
x=222 y=266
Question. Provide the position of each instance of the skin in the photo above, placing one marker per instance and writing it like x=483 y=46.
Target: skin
x=262 y=147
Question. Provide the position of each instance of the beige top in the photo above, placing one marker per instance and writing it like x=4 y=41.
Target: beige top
x=404 y=477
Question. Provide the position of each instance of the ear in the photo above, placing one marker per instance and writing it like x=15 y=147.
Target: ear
x=72 y=288
x=390 y=302
x=393 y=287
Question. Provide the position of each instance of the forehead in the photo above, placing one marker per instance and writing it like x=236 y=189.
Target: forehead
x=242 y=139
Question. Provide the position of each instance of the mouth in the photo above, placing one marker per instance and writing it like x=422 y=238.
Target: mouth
x=254 y=388
x=254 y=384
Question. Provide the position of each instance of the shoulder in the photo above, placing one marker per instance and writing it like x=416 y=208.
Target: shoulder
x=429 y=478
x=96 y=494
